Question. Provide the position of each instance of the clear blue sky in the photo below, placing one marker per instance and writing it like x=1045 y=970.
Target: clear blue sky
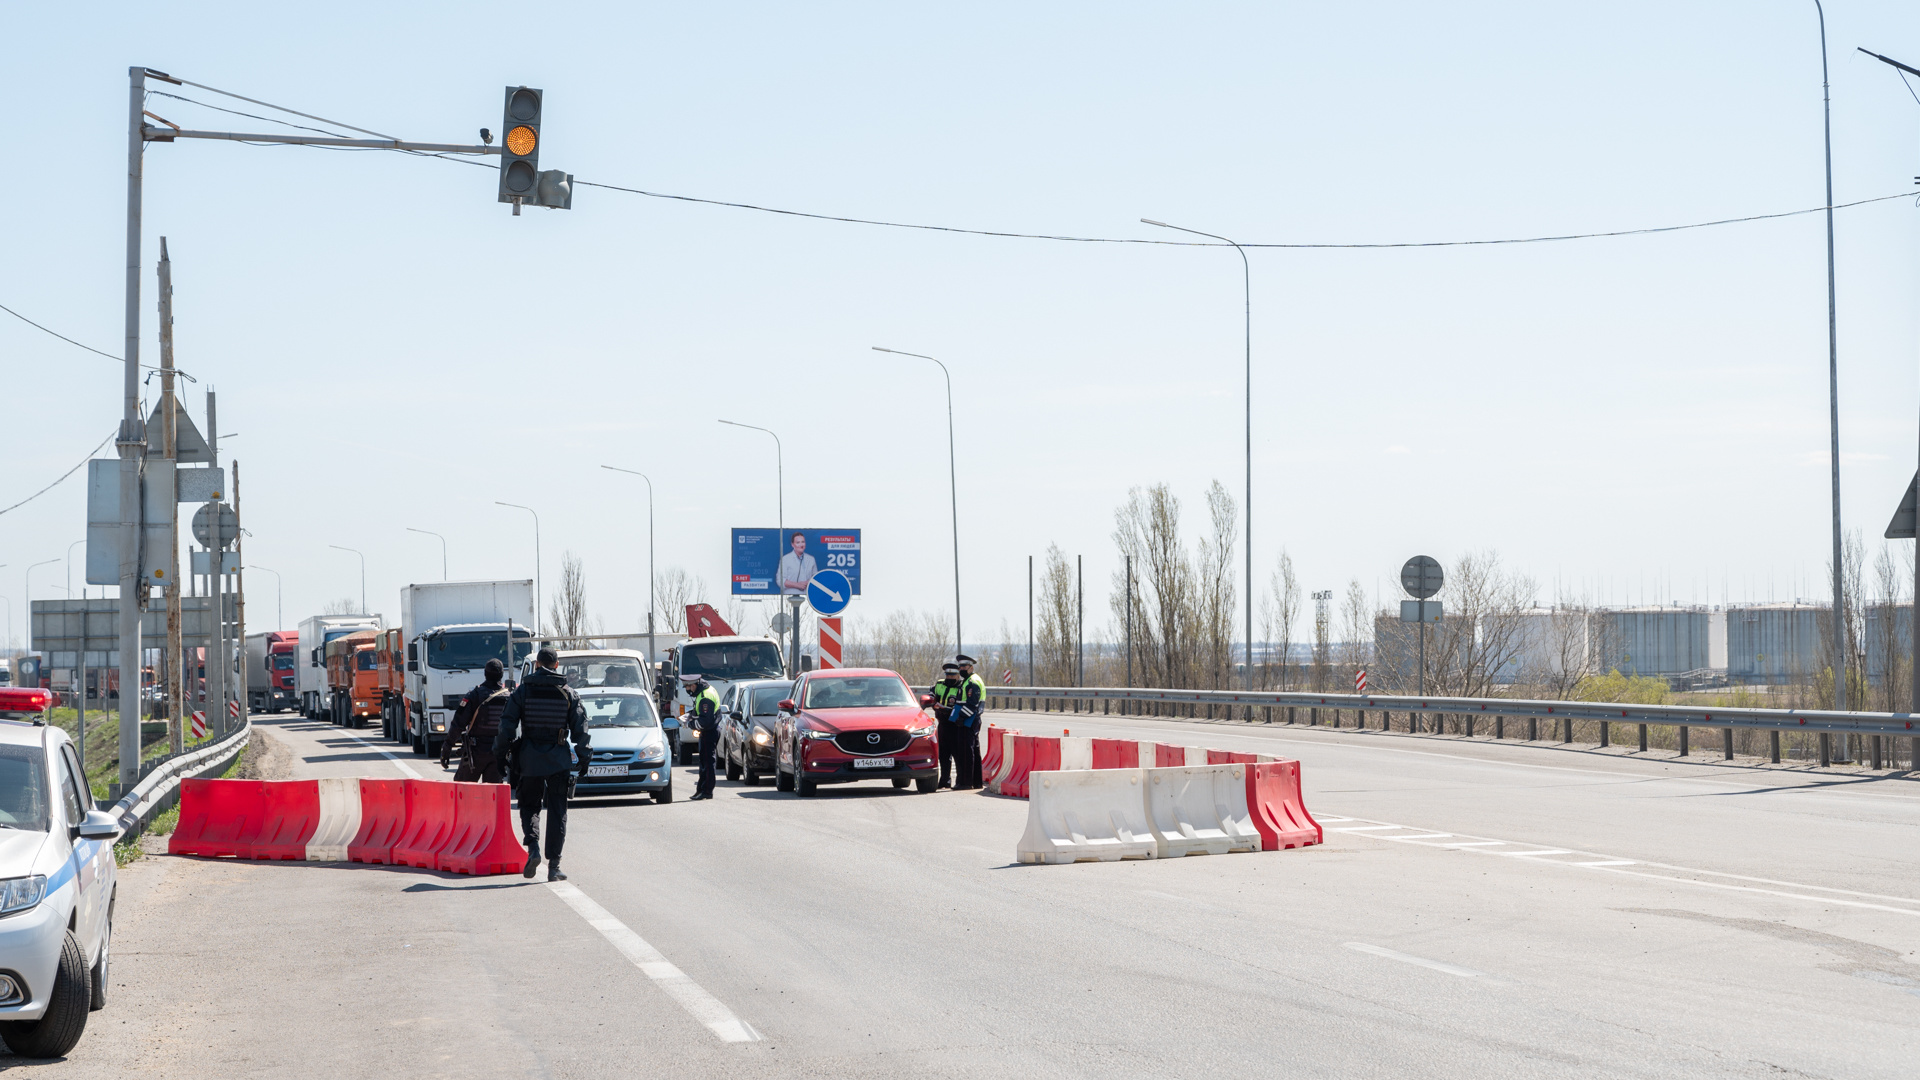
x=393 y=349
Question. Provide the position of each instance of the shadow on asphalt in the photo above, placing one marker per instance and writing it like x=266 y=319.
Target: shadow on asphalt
x=428 y=886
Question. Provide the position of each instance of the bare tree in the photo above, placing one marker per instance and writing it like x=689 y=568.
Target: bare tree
x=346 y=605
x=1356 y=628
x=1478 y=647
x=1846 y=658
x=912 y=643
x=1890 y=584
x=1564 y=648
x=1279 y=611
x=676 y=589
x=1147 y=528
x=1215 y=605
x=1057 y=623
x=567 y=612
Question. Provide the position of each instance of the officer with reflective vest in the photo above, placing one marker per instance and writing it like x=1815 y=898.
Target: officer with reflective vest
x=945 y=694
x=474 y=725
x=539 y=717
x=704 y=715
x=969 y=710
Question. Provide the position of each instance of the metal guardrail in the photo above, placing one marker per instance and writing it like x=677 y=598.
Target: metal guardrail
x=1903 y=724
x=160 y=783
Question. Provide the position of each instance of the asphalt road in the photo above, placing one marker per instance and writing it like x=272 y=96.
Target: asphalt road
x=1478 y=910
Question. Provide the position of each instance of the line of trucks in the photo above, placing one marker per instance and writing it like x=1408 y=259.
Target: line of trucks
x=353 y=669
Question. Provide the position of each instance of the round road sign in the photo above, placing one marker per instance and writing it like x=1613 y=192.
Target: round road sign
x=829 y=593
x=1421 y=577
x=781 y=622
x=202 y=528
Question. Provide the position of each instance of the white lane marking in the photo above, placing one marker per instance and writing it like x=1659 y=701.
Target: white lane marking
x=1541 y=851
x=701 y=1005
x=1423 y=836
x=382 y=751
x=1450 y=969
x=1605 y=862
x=1368 y=828
x=1475 y=843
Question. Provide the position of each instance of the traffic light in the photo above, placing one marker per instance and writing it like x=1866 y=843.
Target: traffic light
x=520 y=147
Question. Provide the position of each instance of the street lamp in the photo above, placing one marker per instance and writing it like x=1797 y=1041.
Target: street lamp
x=279 y=610
x=536 y=557
x=363 y=575
x=649 y=480
x=443 y=548
x=28 y=585
x=953 y=492
x=780 y=519
x=69 y=567
x=1833 y=402
x=1246 y=272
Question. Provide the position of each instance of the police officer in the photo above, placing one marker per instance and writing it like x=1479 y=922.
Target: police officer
x=945 y=693
x=969 y=709
x=476 y=722
x=704 y=715
x=534 y=726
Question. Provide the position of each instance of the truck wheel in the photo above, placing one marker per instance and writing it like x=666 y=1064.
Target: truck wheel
x=58 y=1031
x=419 y=745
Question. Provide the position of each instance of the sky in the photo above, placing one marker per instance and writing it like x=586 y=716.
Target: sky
x=1633 y=419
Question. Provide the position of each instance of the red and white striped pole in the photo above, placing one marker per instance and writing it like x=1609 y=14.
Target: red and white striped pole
x=1360 y=681
x=830 y=643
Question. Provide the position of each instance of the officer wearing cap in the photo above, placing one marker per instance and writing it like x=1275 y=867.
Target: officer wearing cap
x=945 y=693
x=539 y=716
x=704 y=715
x=969 y=708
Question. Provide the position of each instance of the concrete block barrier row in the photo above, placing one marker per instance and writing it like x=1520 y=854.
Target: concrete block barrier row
x=430 y=824
x=1105 y=815
x=1011 y=757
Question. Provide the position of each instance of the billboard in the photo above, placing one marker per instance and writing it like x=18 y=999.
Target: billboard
x=768 y=562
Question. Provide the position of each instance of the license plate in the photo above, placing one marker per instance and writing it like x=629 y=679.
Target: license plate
x=606 y=770
x=873 y=763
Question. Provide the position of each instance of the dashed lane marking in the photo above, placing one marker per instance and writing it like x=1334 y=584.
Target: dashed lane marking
x=1420 y=961
x=701 y=1005
x=385 y=753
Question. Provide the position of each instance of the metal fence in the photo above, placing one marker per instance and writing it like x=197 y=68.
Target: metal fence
x=1558 y=716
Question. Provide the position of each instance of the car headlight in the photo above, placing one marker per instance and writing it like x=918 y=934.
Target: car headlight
x=920 y=732
x=22 y=893
x=816 y=733
x=760 y=737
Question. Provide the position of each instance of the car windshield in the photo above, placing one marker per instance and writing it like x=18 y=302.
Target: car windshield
x=619 y=710
x=767 y=699
x=283 y=661
x=732 y=660
x=23 y=788
x=857 y=692
x=473 y=648
x=583 y=672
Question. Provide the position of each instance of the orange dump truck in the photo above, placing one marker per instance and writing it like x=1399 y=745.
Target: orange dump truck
x=351 y=676
x=390 y=681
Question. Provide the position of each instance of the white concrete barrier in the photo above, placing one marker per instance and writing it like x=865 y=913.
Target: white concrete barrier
x=1075 y=753
x=339 y=819
x=1200 y=810
x=1090 y=815
x=1196 y=755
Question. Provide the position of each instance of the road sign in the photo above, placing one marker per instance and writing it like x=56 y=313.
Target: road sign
x=199 y=724
x=1360 y=681
x=1006 y=677
x=769 y=562
x=1901 y=527
x=829 y=592
x=233 y=709
x=1420 y=611
x=203 y=528
x=1421 y=577
x=781 y=622
x=830 y=644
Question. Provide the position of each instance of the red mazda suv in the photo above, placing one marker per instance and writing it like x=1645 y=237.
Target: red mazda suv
x=852 y=724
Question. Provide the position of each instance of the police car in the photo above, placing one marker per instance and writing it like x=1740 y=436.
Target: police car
x=57 y=879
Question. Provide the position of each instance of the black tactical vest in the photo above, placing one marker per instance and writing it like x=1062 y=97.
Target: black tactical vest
x=486 y=718
x=543 y=713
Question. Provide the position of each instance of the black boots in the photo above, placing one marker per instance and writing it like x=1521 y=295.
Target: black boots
x=533 y=857
x=553 y=871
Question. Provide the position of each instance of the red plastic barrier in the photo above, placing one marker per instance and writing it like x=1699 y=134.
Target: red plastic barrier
x=1168 y=757
x=218 y=817
x=291 y=813
x=1116 y=754
x=1230 y=757
x=1279 y=813
x=1046 y=758
x=996 y=753
x=1021 y=747
x=482 y=841
x=383 y=819
x=430 y=817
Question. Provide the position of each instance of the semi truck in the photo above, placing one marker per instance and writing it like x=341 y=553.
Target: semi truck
x=390 y=680
x=310 y=661
x=451 y=629
x=351 y=677
x=270 y=663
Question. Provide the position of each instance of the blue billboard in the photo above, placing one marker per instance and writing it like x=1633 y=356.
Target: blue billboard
x=769 y=562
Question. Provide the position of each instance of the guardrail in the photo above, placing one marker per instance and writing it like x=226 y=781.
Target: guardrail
x=159 y=783
x=1563 y=713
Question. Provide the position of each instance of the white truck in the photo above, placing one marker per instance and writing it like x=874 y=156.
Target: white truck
x=452 y=628
x=310 y=662
x=723 y=660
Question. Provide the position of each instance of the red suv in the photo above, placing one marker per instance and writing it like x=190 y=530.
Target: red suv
x=853 y=724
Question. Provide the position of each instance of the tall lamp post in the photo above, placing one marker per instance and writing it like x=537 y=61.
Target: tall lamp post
x=536 y=558
x=1246 y=274
x=953 y=492
x=279 y=609
x=650 y=609
x=1833 y=412
x=28 y=586
x=363 y=575
x=780 y=517
x=443 y=548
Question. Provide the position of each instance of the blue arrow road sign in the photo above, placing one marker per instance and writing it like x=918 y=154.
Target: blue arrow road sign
x=829 y=593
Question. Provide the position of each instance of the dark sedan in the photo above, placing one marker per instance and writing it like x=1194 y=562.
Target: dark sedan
x=749 y=721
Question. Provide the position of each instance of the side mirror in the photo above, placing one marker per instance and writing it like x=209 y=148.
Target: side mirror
x=926 y=700
x=99 y=825
x=413 y=665
x=788 y=706
x=736 y=715
x=413 y=652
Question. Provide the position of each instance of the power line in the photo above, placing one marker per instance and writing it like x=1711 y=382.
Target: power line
x=77 y=344
x=64 y=475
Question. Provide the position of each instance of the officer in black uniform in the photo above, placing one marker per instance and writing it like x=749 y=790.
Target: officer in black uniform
x=946 y=732
x=474 y=725
x=969 y=711
x=534 y=726
x=704 y=715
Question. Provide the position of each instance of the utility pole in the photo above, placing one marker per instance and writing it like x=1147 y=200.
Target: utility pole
x=174 y=657
x=1030 y=681
x=132 y=446
x=240 y=601
x=1129 y=621
x=1840 y=642
x=217 y=661
x=1080 y=619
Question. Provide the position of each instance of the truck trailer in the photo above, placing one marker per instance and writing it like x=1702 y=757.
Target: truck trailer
x=270 y=664
x=451 y=630
x=351 y=677
x=310 y=662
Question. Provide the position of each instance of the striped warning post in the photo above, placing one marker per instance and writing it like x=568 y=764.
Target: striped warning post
x=233 y=709
x=830 y=643
x=199 y=724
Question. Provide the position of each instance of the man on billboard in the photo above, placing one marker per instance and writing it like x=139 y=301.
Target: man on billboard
x=797 y=567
